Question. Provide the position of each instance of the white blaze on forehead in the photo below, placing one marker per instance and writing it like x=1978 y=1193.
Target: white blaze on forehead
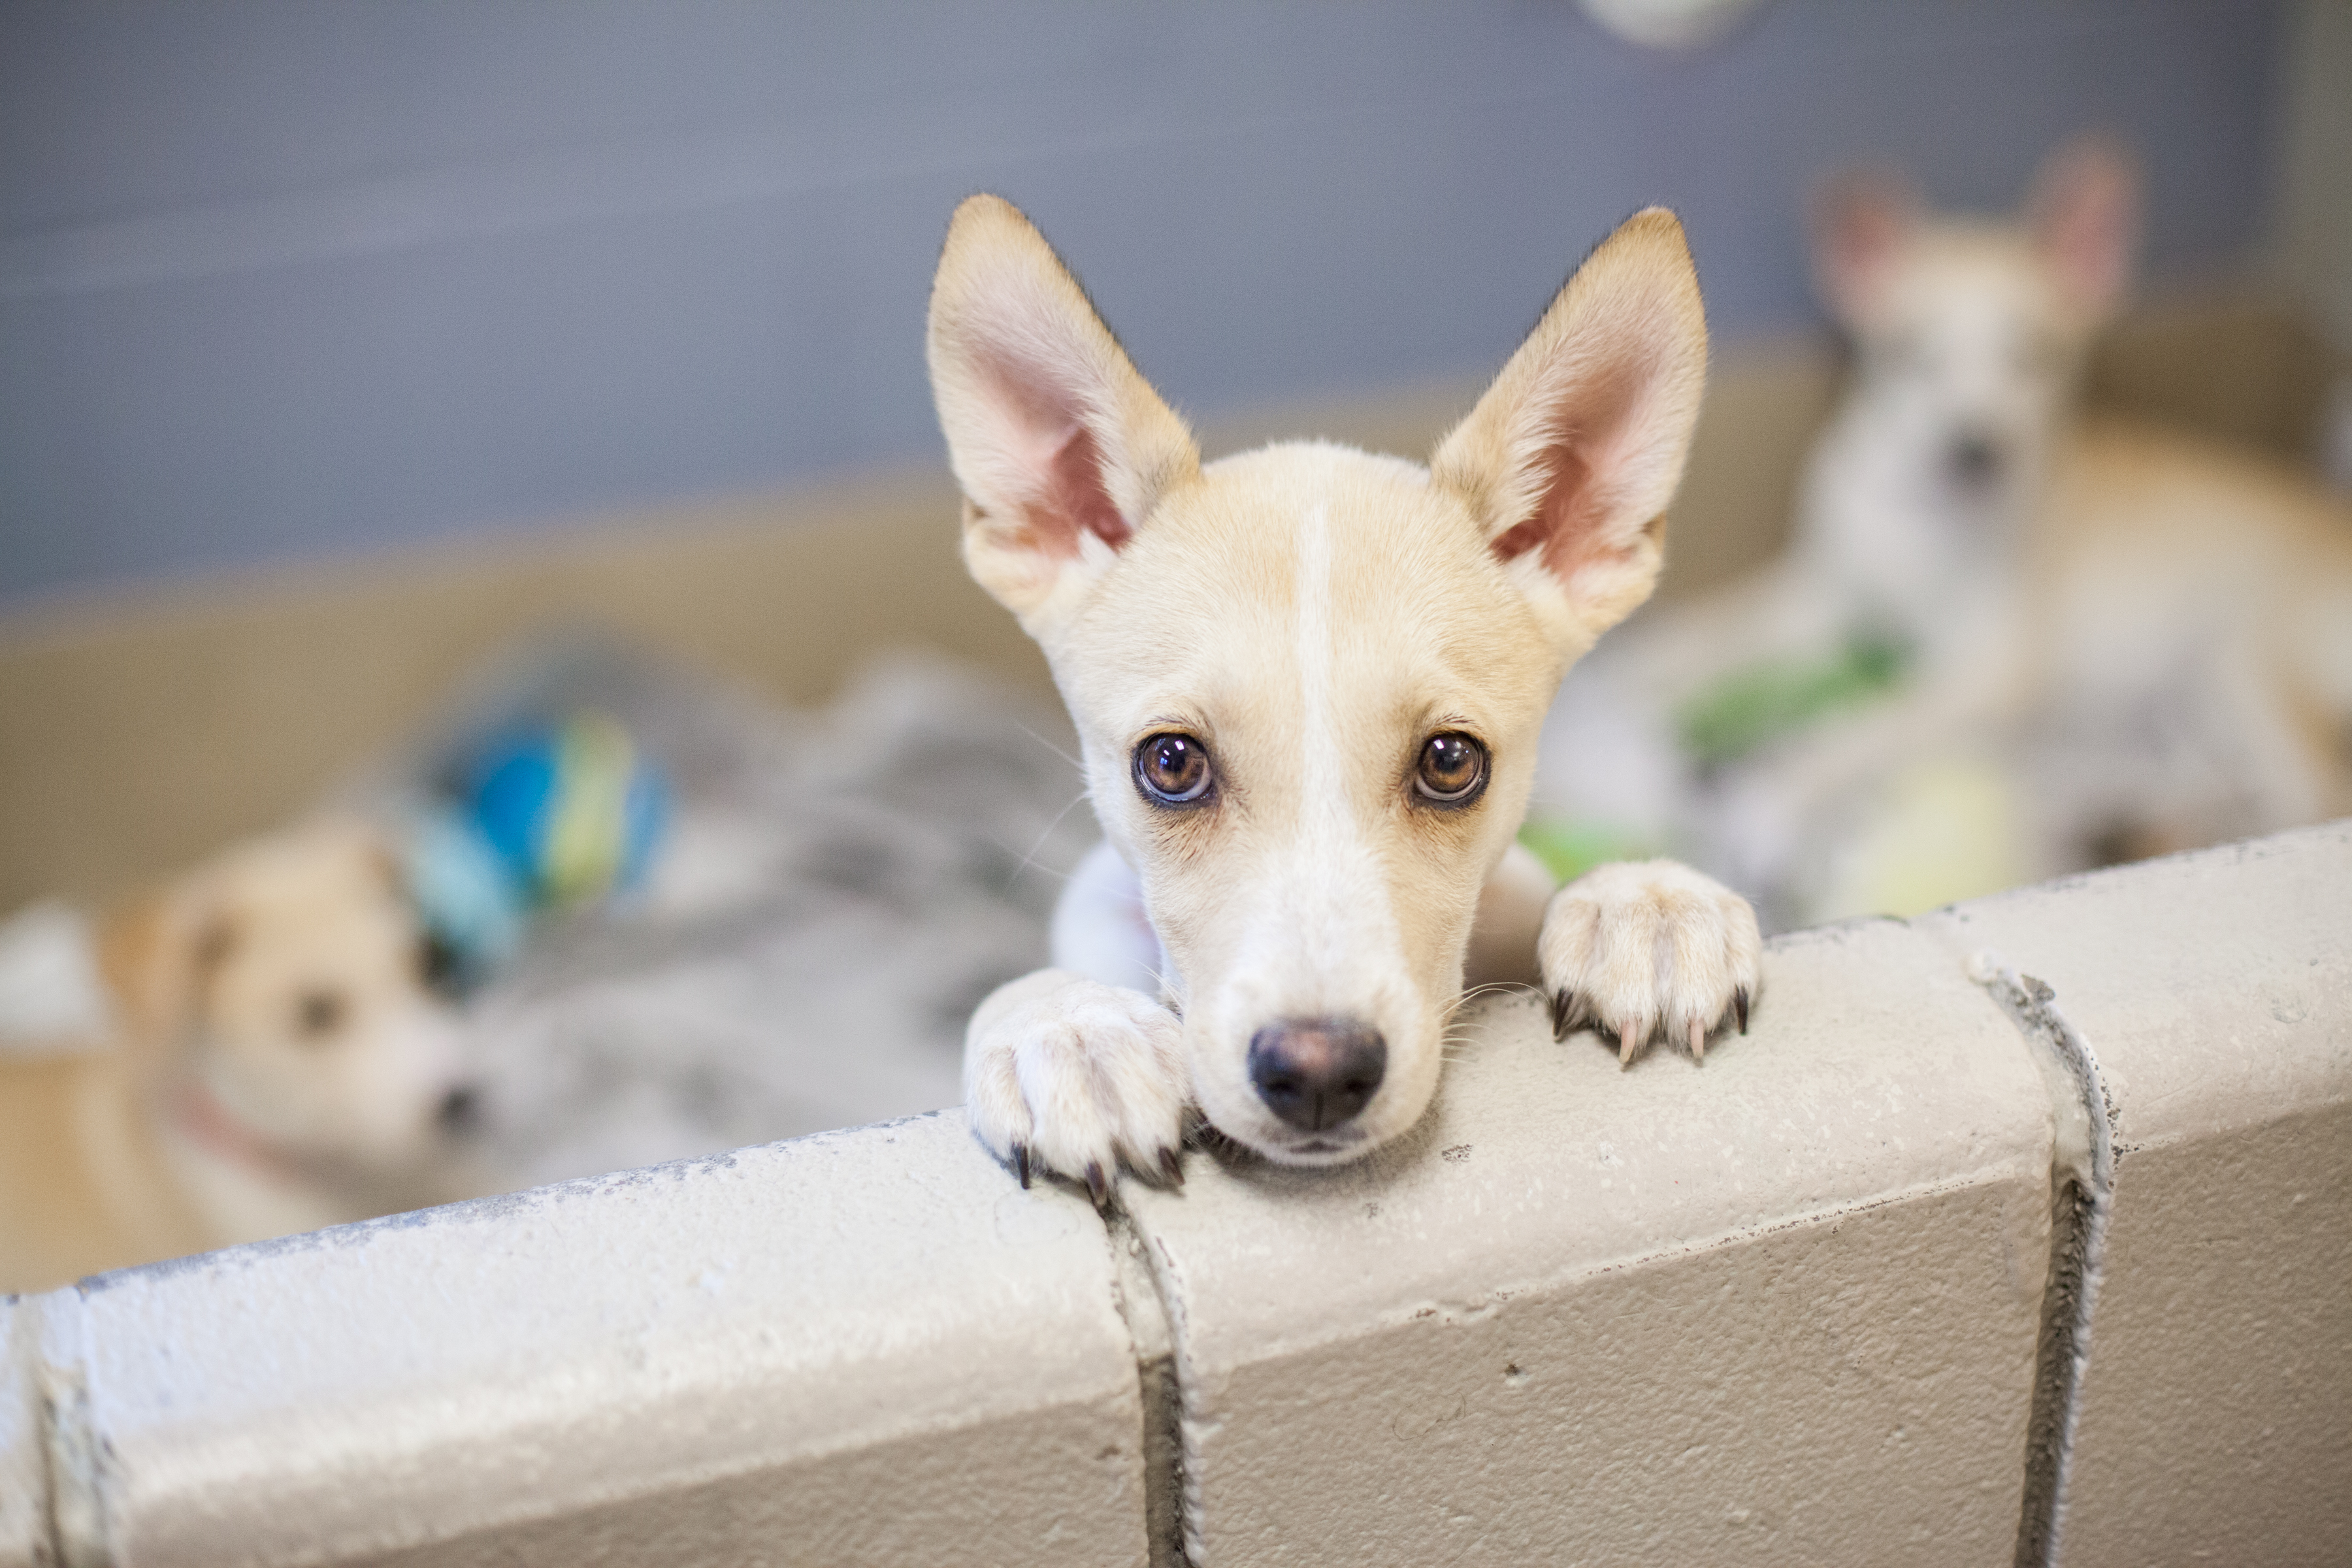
x=1322 y=783
x=1324 y=938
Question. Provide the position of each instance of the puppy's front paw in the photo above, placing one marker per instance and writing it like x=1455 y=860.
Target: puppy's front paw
x=1638 y=947
x=1075 y=1077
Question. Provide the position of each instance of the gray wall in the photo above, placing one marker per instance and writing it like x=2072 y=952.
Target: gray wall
x=283 y=279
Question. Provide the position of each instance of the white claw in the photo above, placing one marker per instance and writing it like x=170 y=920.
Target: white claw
x=1698 y=1041
x=1627 y=1038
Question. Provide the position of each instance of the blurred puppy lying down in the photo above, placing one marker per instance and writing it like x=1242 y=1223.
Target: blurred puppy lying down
x=2005 y=642
x=277 y=1066
x=837 y=891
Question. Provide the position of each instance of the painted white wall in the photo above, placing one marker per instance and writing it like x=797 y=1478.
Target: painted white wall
x=1794 y=1306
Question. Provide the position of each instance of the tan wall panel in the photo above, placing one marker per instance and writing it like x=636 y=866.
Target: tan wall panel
x=142 y=730
x=137 y=735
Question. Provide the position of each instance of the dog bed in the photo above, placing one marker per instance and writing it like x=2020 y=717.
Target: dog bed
x=833 y=893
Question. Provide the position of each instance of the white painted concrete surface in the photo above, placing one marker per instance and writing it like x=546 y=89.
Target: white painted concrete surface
x=23 y=1523
x=870 y=1347
x=1797 y=1305
x=1779 y=1309
x=2215 y=990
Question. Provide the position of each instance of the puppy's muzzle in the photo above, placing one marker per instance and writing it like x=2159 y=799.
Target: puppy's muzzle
x=1316 y=1073
x=1974 y=460
x=458 y=1112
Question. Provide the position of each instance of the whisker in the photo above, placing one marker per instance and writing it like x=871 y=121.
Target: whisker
x=1490 y=988
x=1050 y=746
x=1462 y=1038
x=1029 y=860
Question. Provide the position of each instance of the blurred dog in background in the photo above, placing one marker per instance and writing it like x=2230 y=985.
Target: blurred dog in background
x=2006 y=641
x=278 y=1065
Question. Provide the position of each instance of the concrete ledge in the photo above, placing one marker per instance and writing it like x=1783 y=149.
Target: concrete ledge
x=2214 y=991
x=23 y=1465
x=870 y=1347
x=1826 y=1299
x=1784 y=1308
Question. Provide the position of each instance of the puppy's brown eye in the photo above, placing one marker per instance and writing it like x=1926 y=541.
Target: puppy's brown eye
x=1174 y=769
x=1452 y=771
x=318 y=1015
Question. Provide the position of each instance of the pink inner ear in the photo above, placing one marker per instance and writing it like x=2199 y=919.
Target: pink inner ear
x=1571 y=525
x=1861 y=227
x=1062 y=494
x=2086 y=229
x=1074 y=497
x=1577 y=474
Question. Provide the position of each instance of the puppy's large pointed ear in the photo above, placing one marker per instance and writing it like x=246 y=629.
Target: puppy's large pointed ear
x=1061 y=447
x=2085 y=215
x=1570 y=456
x=1860 y=223
x=153 y=954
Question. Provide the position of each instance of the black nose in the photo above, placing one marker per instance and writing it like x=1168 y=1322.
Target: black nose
x=1316 y=1072
x=1975 y=459
x=458 y=1108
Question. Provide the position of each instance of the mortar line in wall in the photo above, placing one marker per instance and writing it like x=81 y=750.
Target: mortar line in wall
x=2082 y=1189
x=20 y=1376
x=1151 y=1327
x=53 y=1361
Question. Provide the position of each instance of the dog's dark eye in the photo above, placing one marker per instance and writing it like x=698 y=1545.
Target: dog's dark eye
x=318 y=1015
x=1173 y=770
x=1452 y=771
x=439 y=964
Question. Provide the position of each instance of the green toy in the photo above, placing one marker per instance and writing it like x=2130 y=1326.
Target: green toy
x=1727 y=721
x=1748 y=708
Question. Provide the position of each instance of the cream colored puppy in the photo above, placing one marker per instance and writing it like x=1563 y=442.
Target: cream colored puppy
x=2151 y=637
x=281 y=1066
x=1309 y=682
x=2163 y=625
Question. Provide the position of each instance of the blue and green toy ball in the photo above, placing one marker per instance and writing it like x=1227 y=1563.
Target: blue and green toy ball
x=549 y=817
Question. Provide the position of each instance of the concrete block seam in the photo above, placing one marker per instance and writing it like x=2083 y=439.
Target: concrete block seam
x=1169 y=1498
x=1179 y=1389
x=27 y=1530
x=1174 y=1506
x=2081 y=1197
x=72 y=1459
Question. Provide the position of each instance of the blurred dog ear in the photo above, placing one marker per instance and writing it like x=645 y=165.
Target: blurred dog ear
x=1060 y=446
x=1570 y=456
x=155 y=953
x=384 y=862
x=2086 y=217
x=367 y=846
x=1861 y=222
